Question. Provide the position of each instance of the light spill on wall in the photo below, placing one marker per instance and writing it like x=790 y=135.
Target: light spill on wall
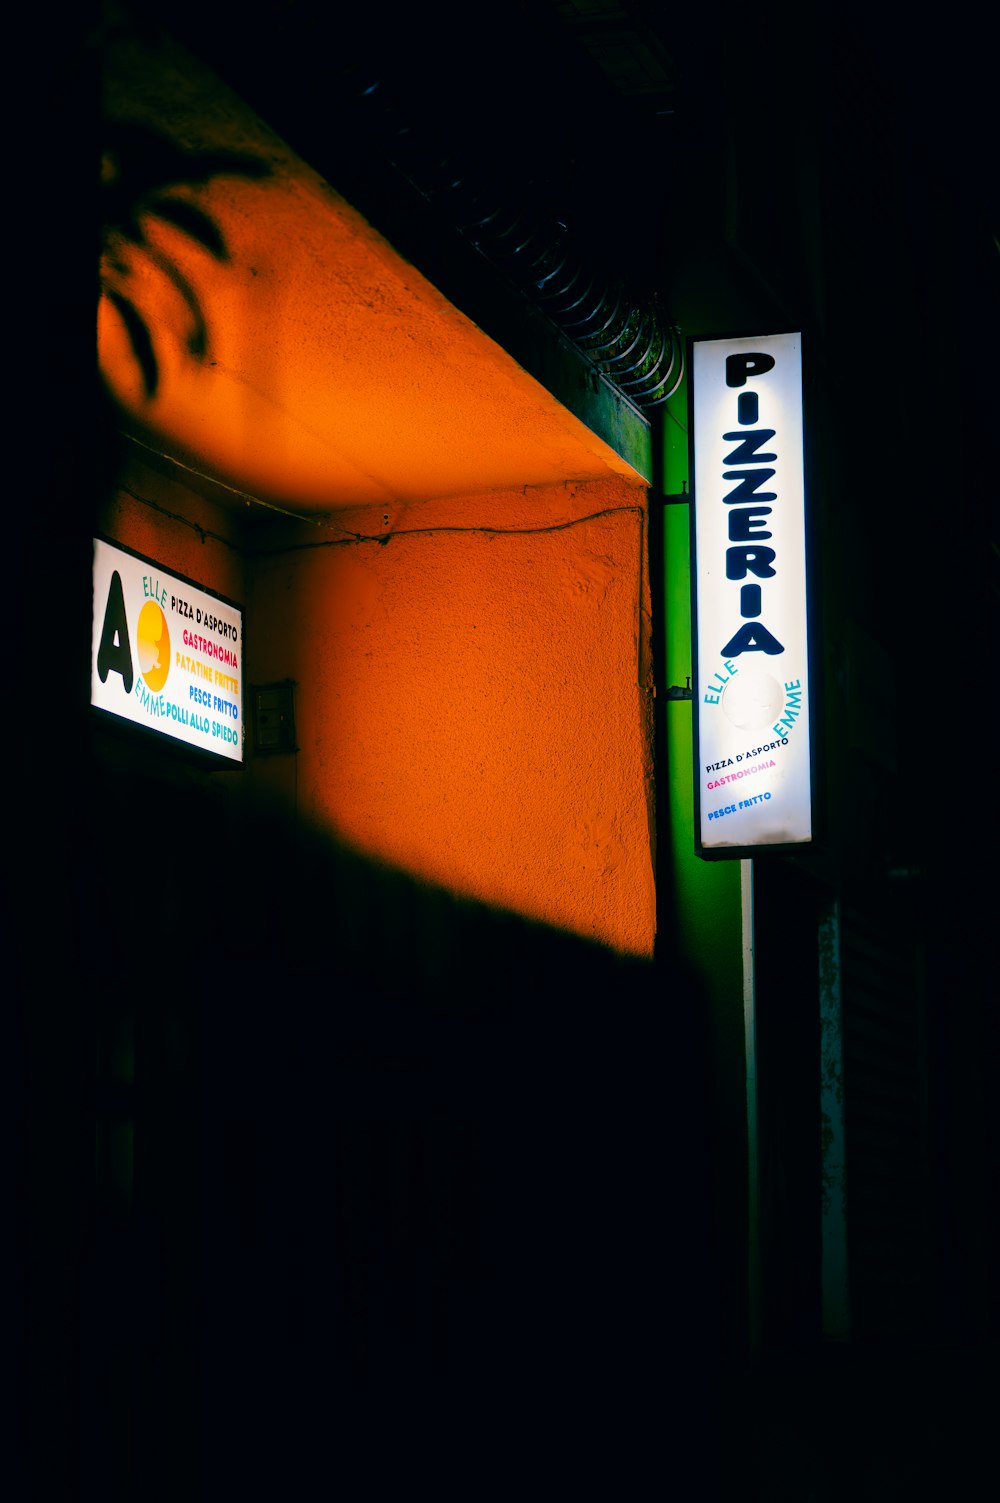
x=472 y=705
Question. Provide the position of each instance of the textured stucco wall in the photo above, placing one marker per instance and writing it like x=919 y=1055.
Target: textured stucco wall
x=171 y=524
x=473 y=698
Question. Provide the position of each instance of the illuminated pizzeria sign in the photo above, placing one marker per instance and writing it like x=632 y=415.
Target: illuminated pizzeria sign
x=751 y=671
x=166 y=654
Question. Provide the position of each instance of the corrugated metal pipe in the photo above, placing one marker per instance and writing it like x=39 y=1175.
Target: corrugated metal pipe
x=629 y=338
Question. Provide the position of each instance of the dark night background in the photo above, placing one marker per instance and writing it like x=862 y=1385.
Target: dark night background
x=594 y=1225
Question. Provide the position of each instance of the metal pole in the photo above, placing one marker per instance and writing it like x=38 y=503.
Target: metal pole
x=835 y=1287
x=754 y=1320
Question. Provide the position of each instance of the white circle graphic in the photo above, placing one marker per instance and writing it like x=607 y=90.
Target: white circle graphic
x=752 y=699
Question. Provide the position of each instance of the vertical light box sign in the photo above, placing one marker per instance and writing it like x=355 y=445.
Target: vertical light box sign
x=166 y=654
x=751 y=671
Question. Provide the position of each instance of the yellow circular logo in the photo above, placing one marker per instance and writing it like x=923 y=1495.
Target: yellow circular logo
x=153 y=646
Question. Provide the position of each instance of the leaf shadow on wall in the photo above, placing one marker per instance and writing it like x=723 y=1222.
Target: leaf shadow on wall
x=140 y=168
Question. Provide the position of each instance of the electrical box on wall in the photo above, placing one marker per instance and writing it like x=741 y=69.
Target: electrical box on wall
x=273 y=717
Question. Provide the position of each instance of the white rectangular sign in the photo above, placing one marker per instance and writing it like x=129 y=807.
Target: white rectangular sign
x=166 y=654
x=752 y=774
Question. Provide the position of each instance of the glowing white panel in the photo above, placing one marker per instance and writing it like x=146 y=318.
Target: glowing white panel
x=752 y=781
x=166 y=654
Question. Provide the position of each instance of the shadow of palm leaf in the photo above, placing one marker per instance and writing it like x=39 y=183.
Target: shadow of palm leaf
x=140 y=165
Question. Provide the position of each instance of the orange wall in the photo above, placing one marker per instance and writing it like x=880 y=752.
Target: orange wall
x=473 y=697
x=169 y=523
x=472 y=701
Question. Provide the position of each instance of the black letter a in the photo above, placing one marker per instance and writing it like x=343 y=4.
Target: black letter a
x=752 y=637
x=114 y=654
